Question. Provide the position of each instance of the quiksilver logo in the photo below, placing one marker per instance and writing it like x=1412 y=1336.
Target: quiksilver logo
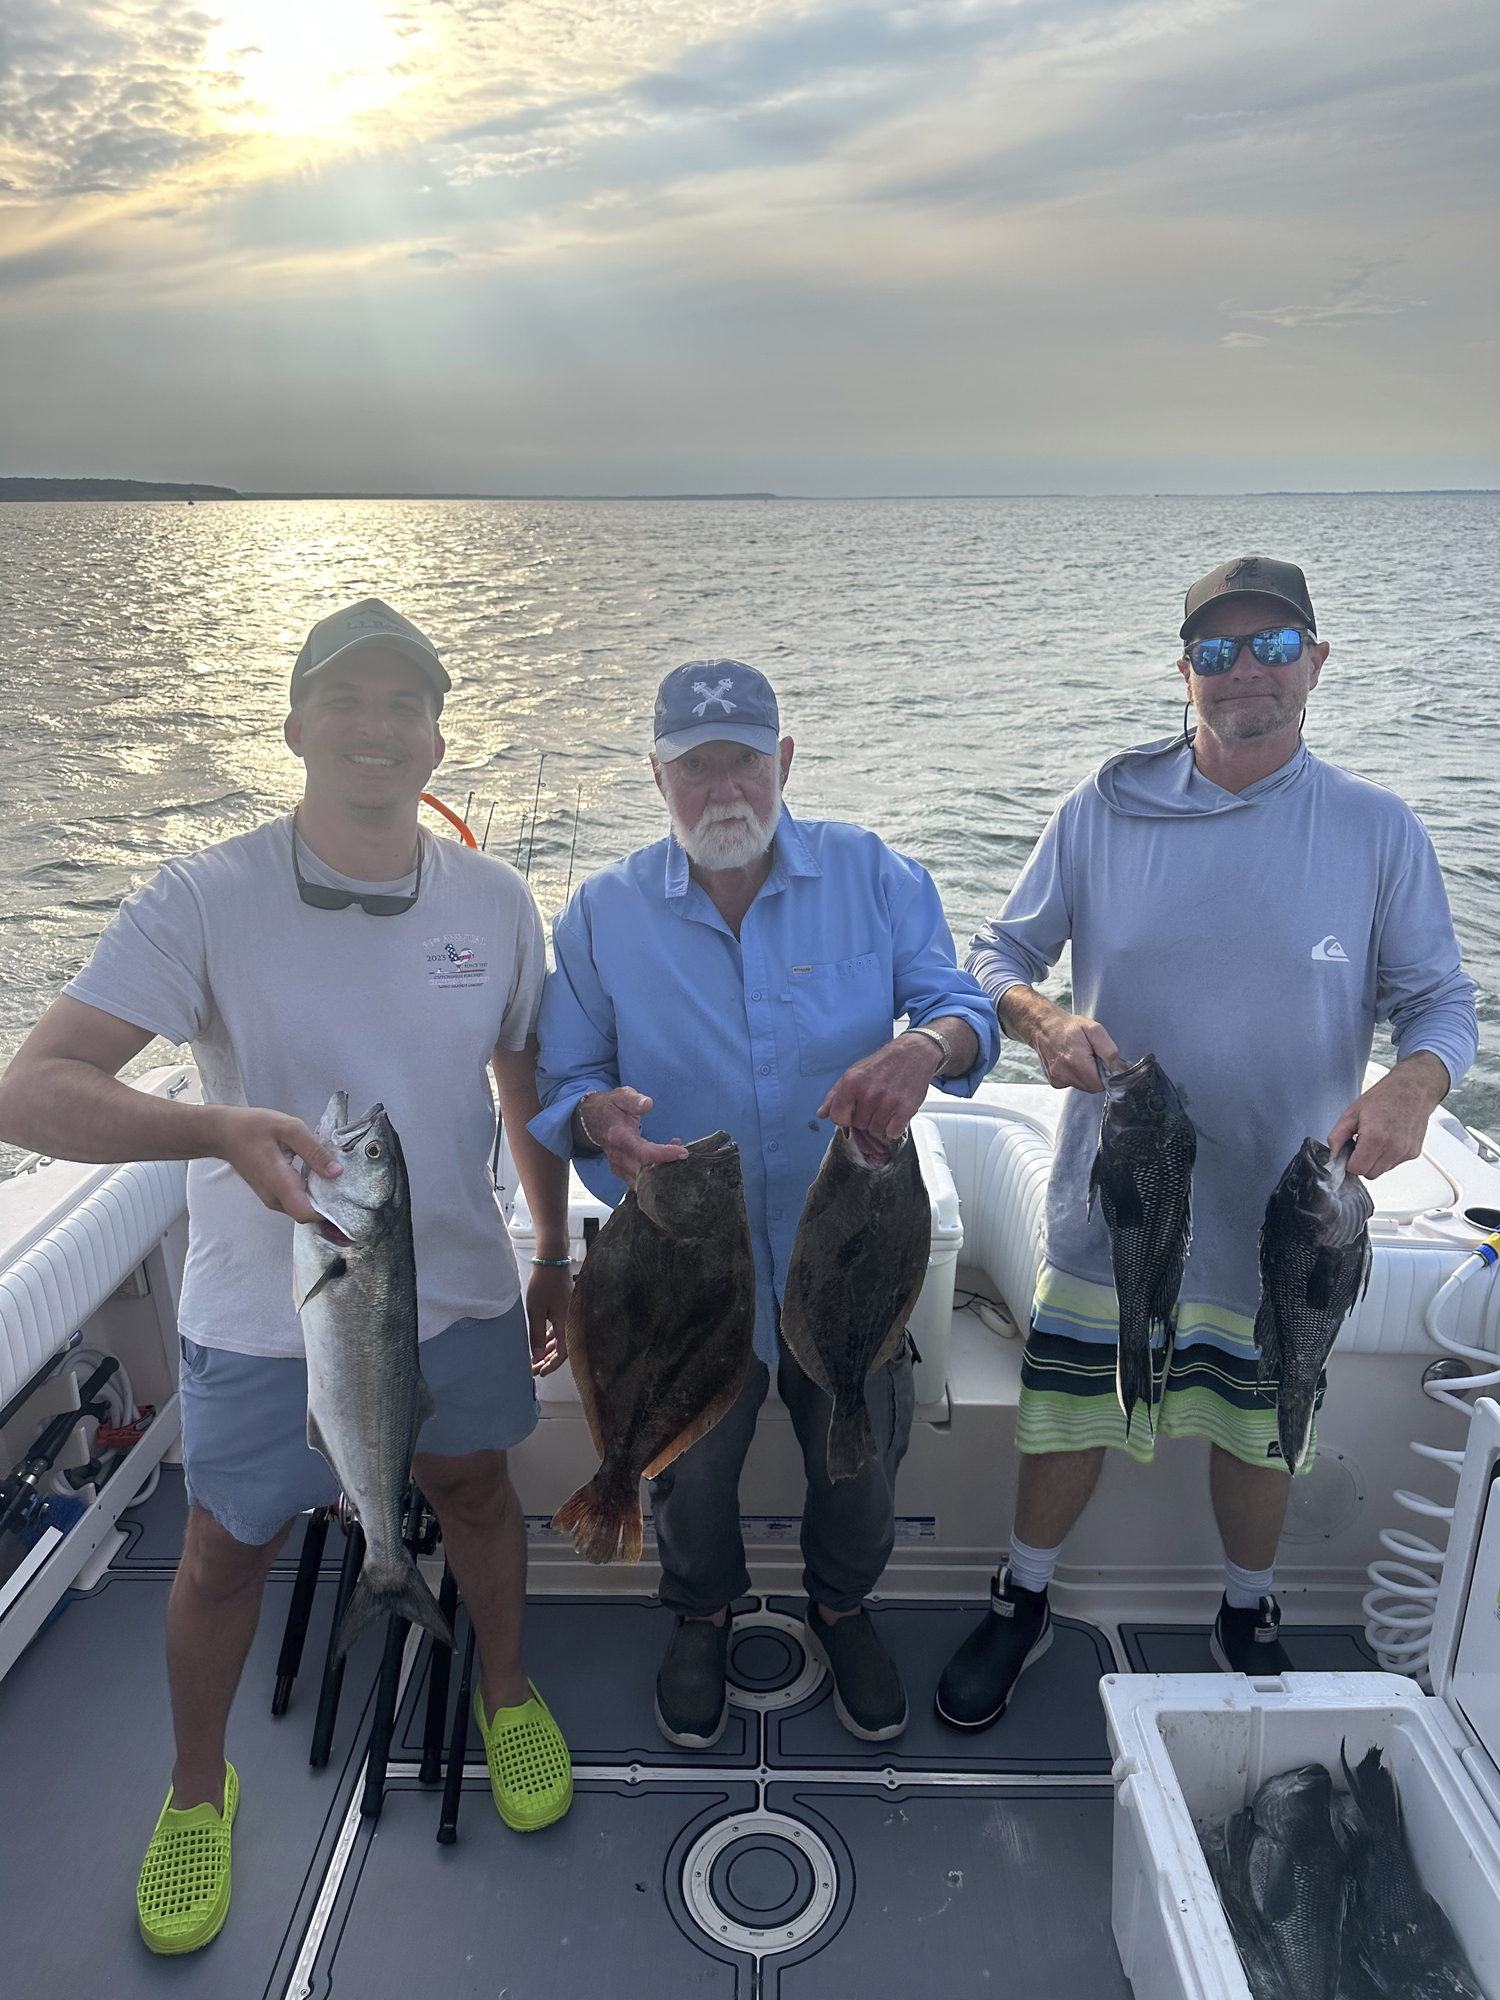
x=1328 y=951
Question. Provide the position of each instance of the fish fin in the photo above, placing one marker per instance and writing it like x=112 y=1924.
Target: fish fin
x=897 y=1334
x=604 y=1520
x=315 y=1439
x=805 y=1352
x=700 y=1426
x=1117 y=1186
x=401 y=1594
x=578 y=1361
x=1268 y=1339
x=336 y=1269
x=851 y=1440
x=1323 y=1278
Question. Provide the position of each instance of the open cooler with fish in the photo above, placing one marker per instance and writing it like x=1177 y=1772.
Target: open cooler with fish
x=1192 y=1751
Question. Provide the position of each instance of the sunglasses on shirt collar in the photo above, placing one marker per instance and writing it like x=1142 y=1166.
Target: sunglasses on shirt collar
x=1276 y=646
x=319 y=896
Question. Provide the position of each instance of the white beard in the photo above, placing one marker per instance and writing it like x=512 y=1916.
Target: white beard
x=727 y=836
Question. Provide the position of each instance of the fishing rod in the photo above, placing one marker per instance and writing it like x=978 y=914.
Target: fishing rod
x=535 y=803
x=489 y=822
x=20 y=1488
x=572 y=851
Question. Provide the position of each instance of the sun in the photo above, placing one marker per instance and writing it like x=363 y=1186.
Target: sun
x=305 y=69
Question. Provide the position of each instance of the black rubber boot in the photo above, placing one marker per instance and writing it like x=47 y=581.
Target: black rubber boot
x=868 y=1697
x=979 y=1680
x=1249 y=1642
x=692 y=1698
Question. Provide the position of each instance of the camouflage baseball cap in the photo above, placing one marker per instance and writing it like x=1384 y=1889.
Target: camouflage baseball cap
x=1251 y=576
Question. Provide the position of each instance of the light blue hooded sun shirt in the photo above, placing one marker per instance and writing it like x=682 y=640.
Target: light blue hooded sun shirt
x=1250 y=941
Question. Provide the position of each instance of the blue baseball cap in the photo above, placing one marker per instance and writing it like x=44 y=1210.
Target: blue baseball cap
x=715 y=701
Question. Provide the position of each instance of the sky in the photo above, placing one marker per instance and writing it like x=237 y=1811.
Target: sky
x=804 y=246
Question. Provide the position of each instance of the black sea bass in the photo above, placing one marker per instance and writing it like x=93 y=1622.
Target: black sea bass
x=354 y=1279
x=1314 y=1263
x=1143 y=1176
x=858 y=1263
x=659 y=1334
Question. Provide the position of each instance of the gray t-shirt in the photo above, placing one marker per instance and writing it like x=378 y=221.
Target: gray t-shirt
x=284 y=1004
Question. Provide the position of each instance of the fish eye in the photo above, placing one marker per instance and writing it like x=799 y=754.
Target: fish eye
x=372 y=1151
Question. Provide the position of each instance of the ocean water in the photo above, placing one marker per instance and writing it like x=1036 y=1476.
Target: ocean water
x=949 y=669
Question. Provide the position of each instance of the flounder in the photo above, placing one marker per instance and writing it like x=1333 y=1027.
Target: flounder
x=660 y=1330
x=858 y=1263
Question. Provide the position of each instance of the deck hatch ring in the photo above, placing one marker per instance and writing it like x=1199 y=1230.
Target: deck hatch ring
x=760 y=1882
x=770 y=1664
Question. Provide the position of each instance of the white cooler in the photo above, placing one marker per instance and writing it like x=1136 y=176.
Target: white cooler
x=1192 y=1748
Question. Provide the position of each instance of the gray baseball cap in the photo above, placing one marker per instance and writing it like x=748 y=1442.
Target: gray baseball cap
x=365 y=624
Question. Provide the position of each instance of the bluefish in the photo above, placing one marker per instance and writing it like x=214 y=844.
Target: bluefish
x=354 y=1279
x=1143 y=1176
x=1314 y=1263
x=660 y=1329
x=858 y=1261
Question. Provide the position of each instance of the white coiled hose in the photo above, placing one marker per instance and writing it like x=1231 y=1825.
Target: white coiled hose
x=1399 y=1611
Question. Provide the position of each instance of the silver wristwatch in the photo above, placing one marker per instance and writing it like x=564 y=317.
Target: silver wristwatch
x=943 y=1043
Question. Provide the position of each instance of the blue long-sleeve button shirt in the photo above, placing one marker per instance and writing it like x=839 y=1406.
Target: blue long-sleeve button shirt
x=747 y=1034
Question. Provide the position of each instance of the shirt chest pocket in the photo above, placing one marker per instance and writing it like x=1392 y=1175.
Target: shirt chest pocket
x=842 y=1008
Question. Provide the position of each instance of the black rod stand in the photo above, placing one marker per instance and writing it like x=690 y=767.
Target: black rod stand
x=447 y=1831
x=333 y=1673
x=303 y=1591
x=385 y=1717
x=439 y=1671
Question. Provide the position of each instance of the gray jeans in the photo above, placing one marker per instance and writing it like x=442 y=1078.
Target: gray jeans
x=848 y=1525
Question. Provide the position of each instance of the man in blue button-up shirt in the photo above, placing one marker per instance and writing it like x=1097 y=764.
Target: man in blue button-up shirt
x=744 y=974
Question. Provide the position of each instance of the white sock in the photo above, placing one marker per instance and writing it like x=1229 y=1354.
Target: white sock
x=1244 y=1588
x=1031 y=1568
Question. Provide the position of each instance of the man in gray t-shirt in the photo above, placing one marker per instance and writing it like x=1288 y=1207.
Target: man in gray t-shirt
x=340 y=948
x=1245 y=912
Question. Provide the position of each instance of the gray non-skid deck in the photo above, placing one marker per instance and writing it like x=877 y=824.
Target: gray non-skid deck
x=820 y=1866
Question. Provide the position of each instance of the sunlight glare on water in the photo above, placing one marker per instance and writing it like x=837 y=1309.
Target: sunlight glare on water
x=949 y=668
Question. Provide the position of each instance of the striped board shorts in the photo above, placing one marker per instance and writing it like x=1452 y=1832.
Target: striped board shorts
x=1068 y=1400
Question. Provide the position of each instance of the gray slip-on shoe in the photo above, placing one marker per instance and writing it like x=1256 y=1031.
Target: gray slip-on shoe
x=868 y=1697
x=692 y=1696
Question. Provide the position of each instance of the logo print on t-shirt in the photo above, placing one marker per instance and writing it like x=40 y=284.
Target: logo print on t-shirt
x=1328 y=951
x=456 y=960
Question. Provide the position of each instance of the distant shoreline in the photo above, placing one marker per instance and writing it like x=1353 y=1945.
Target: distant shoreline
x=184 y=491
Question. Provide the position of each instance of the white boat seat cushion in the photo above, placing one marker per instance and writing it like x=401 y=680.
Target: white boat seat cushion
x=56 y=1284
x=1000 y=1167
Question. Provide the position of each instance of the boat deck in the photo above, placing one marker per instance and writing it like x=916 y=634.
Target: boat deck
x=791 y=1860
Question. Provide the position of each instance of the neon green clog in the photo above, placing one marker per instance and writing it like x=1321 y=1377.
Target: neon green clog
x=531 y=1774
x=182 y=1897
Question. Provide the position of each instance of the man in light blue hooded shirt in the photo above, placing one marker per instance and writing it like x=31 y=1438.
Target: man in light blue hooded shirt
x=1246 y=913
x=744 y=974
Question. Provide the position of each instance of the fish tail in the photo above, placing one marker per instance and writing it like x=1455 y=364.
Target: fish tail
x=851 y=1440
x=604 y=1519
x=397 y=1590
x=1135 y=1379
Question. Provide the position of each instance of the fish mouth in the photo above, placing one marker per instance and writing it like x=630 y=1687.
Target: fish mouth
x=870 y=1152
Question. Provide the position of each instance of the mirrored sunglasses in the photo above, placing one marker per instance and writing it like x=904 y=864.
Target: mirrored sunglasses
x=1276 y=646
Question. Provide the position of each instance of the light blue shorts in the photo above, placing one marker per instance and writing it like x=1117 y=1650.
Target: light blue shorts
x=245 y=1455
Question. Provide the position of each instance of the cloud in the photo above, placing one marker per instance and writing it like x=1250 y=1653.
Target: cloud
x=98 y=99
x=733 y=235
